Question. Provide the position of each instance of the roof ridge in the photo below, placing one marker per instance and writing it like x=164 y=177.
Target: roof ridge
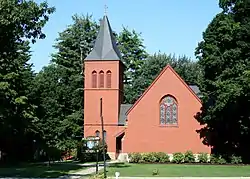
x=105 y=47
x=155 y=80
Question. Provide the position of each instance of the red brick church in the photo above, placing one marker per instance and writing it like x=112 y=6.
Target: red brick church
x=161 y=120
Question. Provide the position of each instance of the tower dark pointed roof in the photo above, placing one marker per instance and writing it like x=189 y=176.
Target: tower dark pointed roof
x=105 y=47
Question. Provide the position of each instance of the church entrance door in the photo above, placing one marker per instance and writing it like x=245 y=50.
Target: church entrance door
x=119 y=145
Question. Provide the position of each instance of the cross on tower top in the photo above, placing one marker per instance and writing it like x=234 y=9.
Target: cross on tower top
x=105 y=9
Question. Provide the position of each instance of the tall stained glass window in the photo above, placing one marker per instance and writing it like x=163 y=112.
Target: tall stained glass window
x=168 y=111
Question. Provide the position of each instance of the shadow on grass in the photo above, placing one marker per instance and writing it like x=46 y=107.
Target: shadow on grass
x=118 y=165
x=39 y=170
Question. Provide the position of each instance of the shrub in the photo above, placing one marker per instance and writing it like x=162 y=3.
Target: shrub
x=97 y=176
x=217 y=159
x=235 y=159
x=151 y=157
x=189 y=157
x=135 y=157
x=162 y=157
x=178 y=157
x=148 y=158
x=203 y=157
x=143 y=158
x=155 y=172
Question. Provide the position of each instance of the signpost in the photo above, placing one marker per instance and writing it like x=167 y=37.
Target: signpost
x=92 y=144
x=92 y=147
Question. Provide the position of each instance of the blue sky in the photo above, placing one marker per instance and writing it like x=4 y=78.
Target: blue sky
x=170 y=26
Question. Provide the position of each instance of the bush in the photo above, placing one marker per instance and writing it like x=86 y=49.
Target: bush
x=203 y=158
x=97 y=176
x=178 y=157
x=155 y=172
x=148 y=158
x=151 y=157
x=135 y=157
x=162 y=157
x=235 y=159
x=217 y=159
x=189 y=157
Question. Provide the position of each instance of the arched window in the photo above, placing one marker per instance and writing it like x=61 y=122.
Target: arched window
x=108 y=79
x=97 y=133
x=94 y=79
x=101 y=79
x=168 y=111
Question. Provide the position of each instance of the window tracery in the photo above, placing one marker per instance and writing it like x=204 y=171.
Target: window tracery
x=168 y=111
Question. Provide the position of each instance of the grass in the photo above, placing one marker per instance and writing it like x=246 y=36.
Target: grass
x=40 y=170
x=181 y=170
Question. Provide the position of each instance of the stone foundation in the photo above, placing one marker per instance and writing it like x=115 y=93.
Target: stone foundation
x=123 y=157
x=111 y=155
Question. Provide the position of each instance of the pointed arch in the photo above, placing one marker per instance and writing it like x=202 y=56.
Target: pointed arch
x=94 y=79
x=101 y=79
x=168 y=111
x=108 y=80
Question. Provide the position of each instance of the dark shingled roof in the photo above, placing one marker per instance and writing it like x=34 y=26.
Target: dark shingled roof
x=122 y=116
x=105 y=47
x=196 y=90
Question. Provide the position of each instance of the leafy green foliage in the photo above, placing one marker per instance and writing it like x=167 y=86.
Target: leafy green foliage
x=134 y=157
x=133 y=54
x=162 y=157
x=235 y=159
x=155 y=172
x=97 y=176
x=178 y=157
x=60 y=85
x=20 y=21
x=148 y=158
x=203 y=157
x=189 y=157
x=224 y=56
x=154 y=64
x=217 y=159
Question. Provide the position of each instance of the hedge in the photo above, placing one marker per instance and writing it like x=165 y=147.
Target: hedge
x=178 y=157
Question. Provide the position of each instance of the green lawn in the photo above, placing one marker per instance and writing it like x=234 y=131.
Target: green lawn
x=39 y=170
x=171 y=170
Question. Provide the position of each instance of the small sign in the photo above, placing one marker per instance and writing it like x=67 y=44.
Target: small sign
x=90 y=144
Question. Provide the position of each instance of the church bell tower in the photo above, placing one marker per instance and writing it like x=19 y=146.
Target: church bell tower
x=103 y=79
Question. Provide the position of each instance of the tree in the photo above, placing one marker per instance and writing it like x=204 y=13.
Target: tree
x=60 y=85
x=151 y=68
x=20 y=21
x=224 y=55
x=133 y=54
x=47 y=92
